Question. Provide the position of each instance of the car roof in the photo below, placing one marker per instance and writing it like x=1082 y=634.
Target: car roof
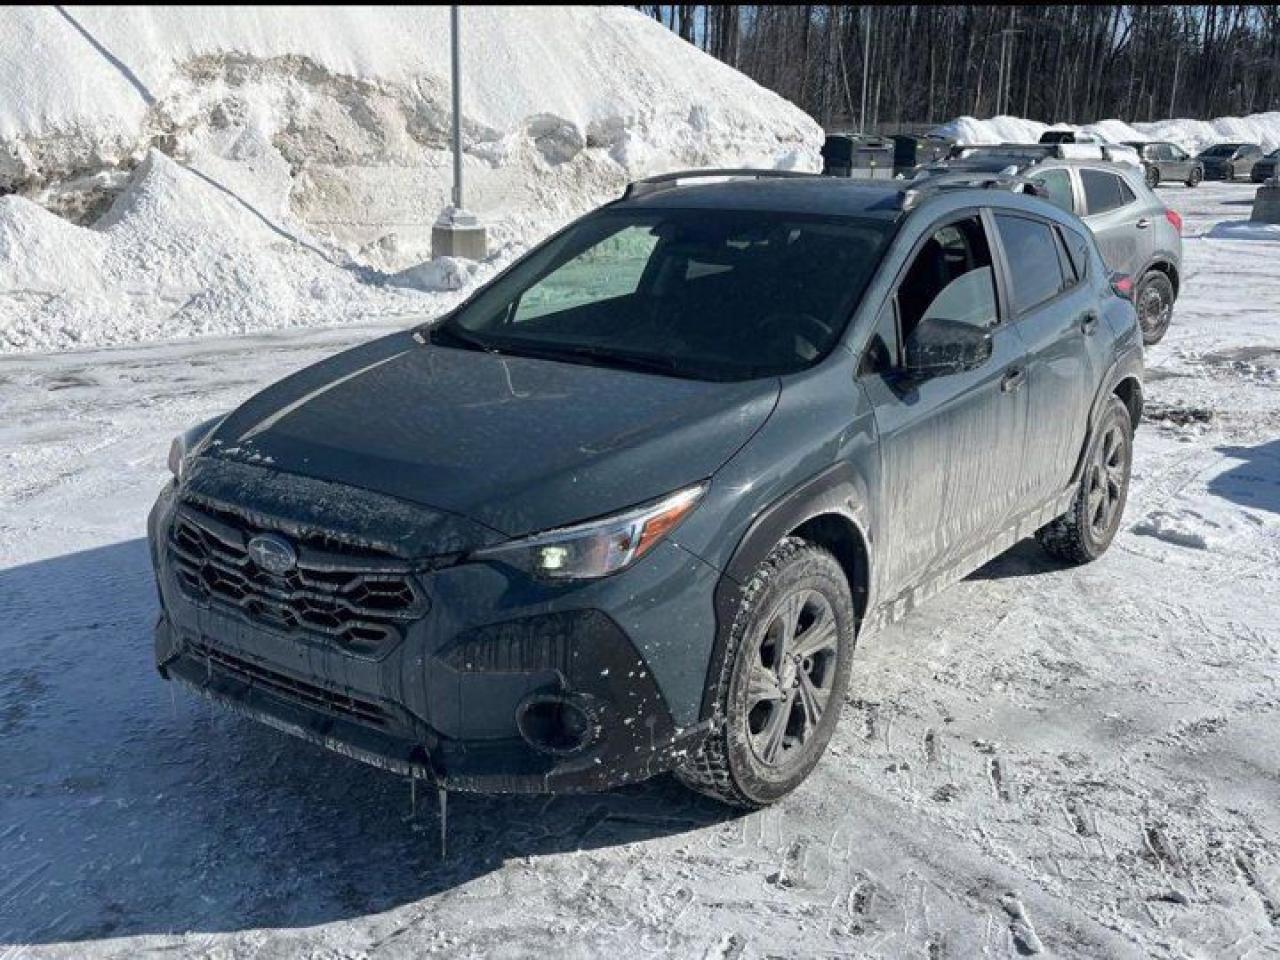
x=835 y=196
x=887 y=200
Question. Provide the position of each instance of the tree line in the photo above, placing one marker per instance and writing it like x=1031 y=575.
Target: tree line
x=1056 y=63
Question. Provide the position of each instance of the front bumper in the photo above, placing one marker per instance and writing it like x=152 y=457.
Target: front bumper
x=450 y=702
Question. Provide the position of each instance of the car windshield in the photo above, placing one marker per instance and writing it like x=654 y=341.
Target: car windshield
x=704 y=294
x=1221 y=150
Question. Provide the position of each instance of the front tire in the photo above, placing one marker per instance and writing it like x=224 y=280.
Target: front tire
x=1083 y=533
x=1154 y=300
x=783 y=681
x=1194 y=177
x=1153 y=177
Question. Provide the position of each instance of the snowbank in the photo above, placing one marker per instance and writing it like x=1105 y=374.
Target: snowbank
x=223 y=169
x=1191 y=135
x=1245 y=230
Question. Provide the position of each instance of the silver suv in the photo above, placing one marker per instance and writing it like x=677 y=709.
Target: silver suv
x=1137 y=234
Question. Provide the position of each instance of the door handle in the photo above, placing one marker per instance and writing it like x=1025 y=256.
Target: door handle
x=1014 y=378
x=1089 y=322
x=1143 y=223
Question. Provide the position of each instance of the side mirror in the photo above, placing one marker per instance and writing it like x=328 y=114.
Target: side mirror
x=938 y=347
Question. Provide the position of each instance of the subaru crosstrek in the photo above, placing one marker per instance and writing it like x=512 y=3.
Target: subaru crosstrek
x=627 y=508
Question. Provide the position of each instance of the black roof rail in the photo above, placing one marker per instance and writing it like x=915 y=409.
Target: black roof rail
x=667 y=181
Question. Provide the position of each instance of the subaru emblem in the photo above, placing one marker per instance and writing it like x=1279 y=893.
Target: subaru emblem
x=273 y=553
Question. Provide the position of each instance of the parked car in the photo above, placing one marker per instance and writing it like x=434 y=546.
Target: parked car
x=1227 y=161
x=1069 y=150
x=1137 y=234
x=1069 y=136
x=628 y=507
x=1265 y=168
x=1167 y=161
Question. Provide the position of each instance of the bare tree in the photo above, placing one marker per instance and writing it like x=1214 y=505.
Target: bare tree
x=1065 y=62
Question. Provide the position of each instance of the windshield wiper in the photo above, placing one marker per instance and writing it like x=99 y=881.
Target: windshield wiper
x=599 y=356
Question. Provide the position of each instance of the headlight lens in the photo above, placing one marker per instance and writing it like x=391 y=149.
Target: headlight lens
x=597 y=548
x=186 y=443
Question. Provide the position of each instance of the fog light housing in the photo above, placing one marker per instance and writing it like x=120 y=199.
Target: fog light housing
x=557 y=724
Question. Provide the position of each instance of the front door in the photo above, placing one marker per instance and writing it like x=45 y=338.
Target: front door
x=950 y=444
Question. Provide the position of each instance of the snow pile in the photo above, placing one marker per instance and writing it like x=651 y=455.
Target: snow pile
x=174 y=256
x=1245 y=230
x=228 y=169
x=1191 y=135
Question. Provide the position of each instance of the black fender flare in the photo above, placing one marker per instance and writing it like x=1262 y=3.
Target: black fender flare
x=838 y=490
x=1122 y=368
x=1164 y=262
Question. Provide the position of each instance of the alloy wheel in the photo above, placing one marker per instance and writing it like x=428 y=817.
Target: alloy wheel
x=1153 y=310
x=1106 y=482
x=792 y=677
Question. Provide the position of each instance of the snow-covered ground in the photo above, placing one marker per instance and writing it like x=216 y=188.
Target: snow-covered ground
x=1078 y=761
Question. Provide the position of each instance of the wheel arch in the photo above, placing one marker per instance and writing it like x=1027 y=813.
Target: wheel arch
x=1169 y=269
x=828 y=510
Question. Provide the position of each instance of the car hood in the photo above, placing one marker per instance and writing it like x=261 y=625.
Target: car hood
x=516 y=444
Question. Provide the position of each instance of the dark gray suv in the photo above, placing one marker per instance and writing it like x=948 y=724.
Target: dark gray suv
x=628 y=508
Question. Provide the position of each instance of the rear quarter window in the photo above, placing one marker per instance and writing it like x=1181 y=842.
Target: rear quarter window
x=1077 y=250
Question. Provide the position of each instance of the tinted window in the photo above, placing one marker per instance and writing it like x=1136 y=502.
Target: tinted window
x=1056 y=186
x=1221 y=150
x=708 y=294
x=1078 y=250
x=1032 y=252
x=951 y=279
x=1103 y=191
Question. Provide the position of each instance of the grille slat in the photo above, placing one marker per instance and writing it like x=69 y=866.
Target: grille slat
x=359 y=602
x=308 y=694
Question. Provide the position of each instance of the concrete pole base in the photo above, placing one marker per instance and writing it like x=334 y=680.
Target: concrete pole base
x=458 y=234
x=1266 y=204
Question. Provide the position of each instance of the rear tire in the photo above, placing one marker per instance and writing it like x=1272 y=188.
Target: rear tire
x=783 y=682
x=1084 y=532
x=1154 y=300
x=1194 y=177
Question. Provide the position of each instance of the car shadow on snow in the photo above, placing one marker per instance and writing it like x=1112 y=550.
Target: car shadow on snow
x=1253 y=483
x=1026 y=558
x=129 y=807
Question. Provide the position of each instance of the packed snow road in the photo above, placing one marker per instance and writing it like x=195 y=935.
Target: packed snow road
x=1080 y=762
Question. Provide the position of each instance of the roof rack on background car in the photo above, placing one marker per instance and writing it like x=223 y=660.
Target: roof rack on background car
x=665 y=181
x=913 y=194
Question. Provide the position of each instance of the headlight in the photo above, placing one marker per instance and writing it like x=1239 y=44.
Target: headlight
x=597 y=548
x=186 y=443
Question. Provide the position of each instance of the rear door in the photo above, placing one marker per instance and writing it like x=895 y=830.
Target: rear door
x=950 y=445
x=1119 y=220
x=1180 y=161
x=1054 y=312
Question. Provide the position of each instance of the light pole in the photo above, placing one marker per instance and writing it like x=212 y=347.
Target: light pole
x=455 y=62
x=457 y=233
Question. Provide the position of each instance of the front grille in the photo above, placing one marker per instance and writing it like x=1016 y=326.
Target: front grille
x=359 y=600
x=299 y=691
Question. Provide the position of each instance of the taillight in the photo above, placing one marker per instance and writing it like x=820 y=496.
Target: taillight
x=1175 y=218
x=1122 y=284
